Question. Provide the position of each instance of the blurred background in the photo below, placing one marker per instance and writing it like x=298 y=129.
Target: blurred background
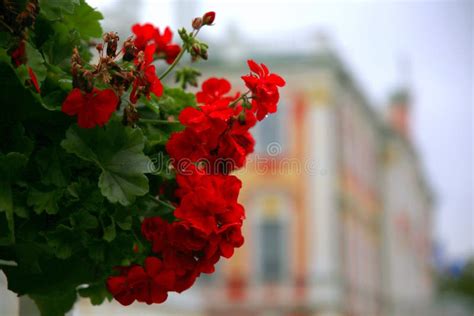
x=359 y=194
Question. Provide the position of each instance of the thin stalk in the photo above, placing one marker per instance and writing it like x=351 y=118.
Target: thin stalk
x=233 y=103
x=158 y=121
x=166 y=204
x=177 y=59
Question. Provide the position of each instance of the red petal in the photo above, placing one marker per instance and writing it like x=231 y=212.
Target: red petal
x=34 y=79
x=172 y=51
x=226 y=249
x=149 y=51
x=157 y=87
x=254 y=66
x=104 y=103
x=276 y=79
x=158 y=294
x=74 y=102
x=116 y=284
x=152 y=266
x=167 y=35
x=265 y=70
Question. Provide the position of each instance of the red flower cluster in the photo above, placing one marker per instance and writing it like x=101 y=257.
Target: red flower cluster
x=148 y=284
x=209 y=227
x=92 y=108
x=264 y=87
x=216 y=134
x=209 y=218
x=148 y=34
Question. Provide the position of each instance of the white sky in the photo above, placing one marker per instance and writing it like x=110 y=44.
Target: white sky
x=375 y=38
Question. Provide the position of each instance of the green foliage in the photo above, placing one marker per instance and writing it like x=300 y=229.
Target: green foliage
x=118 y=152
x=58 y=305
x=461 y=285
x=72 y=199
x=46 y=201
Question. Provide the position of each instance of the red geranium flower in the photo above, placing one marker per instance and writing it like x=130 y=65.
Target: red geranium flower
x=149 y=34
x=164 y=48
x=143 y=35
x=148 y=284
x=93 y=108
x=205 y=200
x=213 y=89
x=264 y=87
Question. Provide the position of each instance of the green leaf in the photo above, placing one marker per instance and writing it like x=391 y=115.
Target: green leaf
x=123 y=218
x=97 y=293
x=58 y=47
x=6 y=39
x=118 y=152
x=174 y=100
x=84 y=220
x=44 y=200
x=36 y=62
x=6 y=205
x=11 y=167
x=57 y=305
x=85 y=20
x=26 y=104
x=63 y=240
x=152 y=103
x=52 y=9
x=96 y=251
x=17 y=141
x=51 y=166
x=156 y=136
x=108 y=225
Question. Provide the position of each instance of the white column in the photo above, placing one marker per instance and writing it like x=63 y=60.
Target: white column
x=323 y=229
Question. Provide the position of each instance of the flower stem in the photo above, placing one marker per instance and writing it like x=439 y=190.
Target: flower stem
x=177 y=59
x=158 y=201
x=165 y=204
x=233 y=103
x=175 y=62
x=152 y=121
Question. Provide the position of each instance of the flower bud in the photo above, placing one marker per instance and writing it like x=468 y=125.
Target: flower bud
x=197 y=23
x=196 y=49
x=208 y=18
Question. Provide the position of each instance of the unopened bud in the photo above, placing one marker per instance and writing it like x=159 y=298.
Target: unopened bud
x=196 y=49
x=197 y=23
x=208 y=18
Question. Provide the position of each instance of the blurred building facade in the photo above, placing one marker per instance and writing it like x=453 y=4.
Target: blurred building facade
x=338 y=210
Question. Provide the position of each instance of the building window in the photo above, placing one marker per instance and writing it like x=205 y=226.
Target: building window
x=272 y=265
x=272 y=129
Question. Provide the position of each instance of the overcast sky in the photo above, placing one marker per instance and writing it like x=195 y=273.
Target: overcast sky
x=426 y=43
